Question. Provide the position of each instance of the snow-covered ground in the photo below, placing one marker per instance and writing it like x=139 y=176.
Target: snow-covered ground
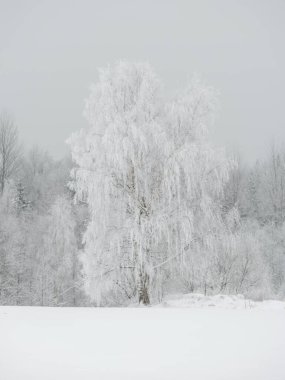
x=220 y=338
x=220 y=301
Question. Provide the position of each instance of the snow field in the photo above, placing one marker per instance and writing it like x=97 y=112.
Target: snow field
x=198 y=343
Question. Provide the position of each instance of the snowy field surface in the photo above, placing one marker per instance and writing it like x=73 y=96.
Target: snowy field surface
x=191 y=338
x=220 y=301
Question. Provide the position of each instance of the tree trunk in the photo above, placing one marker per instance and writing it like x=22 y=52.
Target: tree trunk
x=143 y=289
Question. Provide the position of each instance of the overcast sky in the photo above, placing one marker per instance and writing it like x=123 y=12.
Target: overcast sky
x=50 y=50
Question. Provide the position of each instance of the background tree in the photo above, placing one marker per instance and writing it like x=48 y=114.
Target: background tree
x=57 y=262
x=10 y=150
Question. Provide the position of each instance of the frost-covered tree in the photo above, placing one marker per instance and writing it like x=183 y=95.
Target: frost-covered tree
x=234 y=187
x=272 y=243
x=44 y=179
x=16 y=262
x=273 y=186
x=10 y=150
x=252 y=195
x=57 y=258
x=21 y=199
x=151 y=180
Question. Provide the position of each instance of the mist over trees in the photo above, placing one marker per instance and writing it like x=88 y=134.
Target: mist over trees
x=144 y=206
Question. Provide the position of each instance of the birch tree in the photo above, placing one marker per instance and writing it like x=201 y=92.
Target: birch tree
x=150 y=177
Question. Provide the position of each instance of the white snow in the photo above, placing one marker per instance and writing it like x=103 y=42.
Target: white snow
x=184 y=343
x=220 y=301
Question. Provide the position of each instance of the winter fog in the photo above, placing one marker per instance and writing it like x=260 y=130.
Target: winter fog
x=142 y=190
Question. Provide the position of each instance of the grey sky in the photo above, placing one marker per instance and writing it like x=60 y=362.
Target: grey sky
x=49 y=52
